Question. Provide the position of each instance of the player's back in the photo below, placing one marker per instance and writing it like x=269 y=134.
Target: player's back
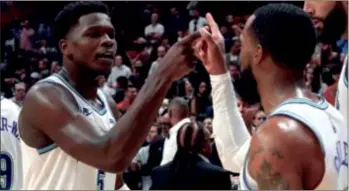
x=11 y=156
x=50 y=168
x=327 y=124
x=342 y=93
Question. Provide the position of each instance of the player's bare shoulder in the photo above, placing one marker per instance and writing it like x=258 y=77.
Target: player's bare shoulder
x=282 y=150
x=43 y=102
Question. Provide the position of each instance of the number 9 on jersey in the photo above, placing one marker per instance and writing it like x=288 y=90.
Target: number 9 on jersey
x=6 y=171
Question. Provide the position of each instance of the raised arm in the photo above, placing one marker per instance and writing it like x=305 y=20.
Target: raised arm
x=229 y=128
x=231 y=135
x=52 y=110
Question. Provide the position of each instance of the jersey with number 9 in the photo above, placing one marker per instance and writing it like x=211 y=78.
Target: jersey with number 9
x=10 y=153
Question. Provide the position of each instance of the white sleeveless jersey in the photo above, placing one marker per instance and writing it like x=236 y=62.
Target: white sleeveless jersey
x=10 y=156
x=327 y=124
x=50 y=168
x=342 y=93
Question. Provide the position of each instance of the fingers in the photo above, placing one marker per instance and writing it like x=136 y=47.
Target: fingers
x=189 y=39
x=212 y=23
x=199 y=49
x=205 y=34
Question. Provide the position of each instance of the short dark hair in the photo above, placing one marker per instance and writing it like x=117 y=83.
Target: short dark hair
x=70 y=14
x=286 y=32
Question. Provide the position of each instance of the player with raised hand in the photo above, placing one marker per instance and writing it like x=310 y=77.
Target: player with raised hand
x=303 y=142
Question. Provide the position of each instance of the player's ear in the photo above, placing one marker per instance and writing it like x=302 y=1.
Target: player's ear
x=258 y=54
x=63 y=45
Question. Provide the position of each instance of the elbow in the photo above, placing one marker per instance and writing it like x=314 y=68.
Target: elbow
x=115 y=159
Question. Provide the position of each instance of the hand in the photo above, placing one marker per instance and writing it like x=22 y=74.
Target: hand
x=178 y=60
x=210 y=48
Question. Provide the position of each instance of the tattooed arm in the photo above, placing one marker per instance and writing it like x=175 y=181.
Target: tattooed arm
x=283 y=155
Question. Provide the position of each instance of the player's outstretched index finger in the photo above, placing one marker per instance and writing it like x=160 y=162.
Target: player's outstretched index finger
x=212 y=23
x=191 y=38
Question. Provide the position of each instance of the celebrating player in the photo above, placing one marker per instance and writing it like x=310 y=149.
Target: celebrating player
x=74 y=139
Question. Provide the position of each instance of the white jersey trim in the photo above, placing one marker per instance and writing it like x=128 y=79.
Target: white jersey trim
x=322 y=105
x=47 y=148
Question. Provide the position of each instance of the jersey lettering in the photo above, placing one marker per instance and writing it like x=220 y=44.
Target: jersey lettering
x=341 y=158
x=5 y=126
x=6 y=171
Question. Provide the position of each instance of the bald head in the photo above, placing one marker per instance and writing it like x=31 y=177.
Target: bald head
x=178 y=109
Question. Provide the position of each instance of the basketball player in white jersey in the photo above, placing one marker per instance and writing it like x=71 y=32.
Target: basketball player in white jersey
x=73 y=137
x=303 y=142
x=10 y=156
x=330 y=20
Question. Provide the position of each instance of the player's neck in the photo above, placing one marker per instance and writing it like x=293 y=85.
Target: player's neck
x=276 y=89
x=83 y=84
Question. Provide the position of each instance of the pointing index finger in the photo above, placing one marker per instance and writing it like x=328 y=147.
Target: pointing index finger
x=212 y=23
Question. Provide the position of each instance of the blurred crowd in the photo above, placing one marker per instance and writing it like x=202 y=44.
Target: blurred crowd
x=29 y=54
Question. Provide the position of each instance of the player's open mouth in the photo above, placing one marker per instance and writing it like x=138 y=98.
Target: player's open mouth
x=106 y=55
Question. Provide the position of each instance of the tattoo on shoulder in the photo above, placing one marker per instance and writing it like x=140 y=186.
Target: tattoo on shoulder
x=273 y=151
x=266 y=177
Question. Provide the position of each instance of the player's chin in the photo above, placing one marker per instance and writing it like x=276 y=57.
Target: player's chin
x=103 y=66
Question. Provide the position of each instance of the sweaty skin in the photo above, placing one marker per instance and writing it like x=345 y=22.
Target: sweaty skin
x=51 y=115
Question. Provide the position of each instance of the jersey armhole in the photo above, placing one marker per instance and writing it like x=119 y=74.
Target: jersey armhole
x=51 y=146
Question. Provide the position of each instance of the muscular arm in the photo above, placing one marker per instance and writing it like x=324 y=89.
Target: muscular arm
x=51 y=109
x=231 y=135
x=285 y=155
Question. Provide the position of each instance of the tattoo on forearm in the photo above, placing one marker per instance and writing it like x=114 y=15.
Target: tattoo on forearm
x=267 y=179
x=265 y=176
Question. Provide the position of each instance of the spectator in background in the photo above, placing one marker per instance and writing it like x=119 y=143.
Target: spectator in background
x=138 y=77
x=26 y=36
x=202 y=100
x=233 y=55
x=155 y=30
x=180 y=35
x=130 y=96
x=33 y=78
x=176 y=23
x=258 y=119
x=208 y=124
x=55 y=67
x=10 y=43
x=119 y=69
x=197 y=22
x=234 y=71
x=164 y=107
x=190 y=168
x=147 y=157
x=189 y=91
x=237 y=31
x=161 y=51
x=229 y=19
x=43 y=47
x=121 y=87
x=43 y=67
x=313 y=80
x=165 y=43
x=331 y=91
x=19 y=95
x=178 y=113
x=165 y=125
